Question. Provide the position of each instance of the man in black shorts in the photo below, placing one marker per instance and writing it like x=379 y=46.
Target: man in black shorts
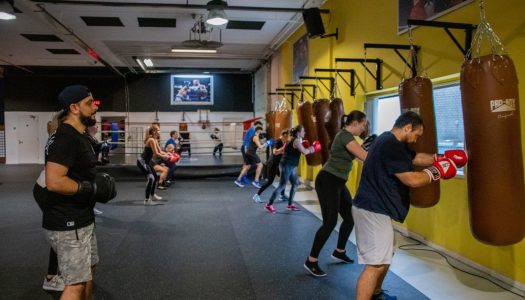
x=68 y=190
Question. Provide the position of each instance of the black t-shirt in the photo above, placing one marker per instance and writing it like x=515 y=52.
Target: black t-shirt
x=73 y=150
x=291 y=155
x=276 y=159
x=380 y=191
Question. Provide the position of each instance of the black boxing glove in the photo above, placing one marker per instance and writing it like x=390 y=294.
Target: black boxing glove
x=101 y=190
x=368 y=142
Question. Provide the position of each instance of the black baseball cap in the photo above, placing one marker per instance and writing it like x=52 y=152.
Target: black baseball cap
x=72 y=94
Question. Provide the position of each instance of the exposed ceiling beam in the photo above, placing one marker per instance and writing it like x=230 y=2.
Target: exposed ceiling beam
x=173 y=5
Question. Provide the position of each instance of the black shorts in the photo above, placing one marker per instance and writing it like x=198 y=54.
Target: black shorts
x=244 y=157
x=253 y=158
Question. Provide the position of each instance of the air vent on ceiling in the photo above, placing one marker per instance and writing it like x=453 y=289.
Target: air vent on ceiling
x=102 y=21
x=248 y=25
x=63 y=51
x=157 y=22
x=41 y=37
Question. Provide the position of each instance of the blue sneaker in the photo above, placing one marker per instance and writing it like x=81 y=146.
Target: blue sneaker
x=245 y=180
x=256 y=184
x=238 y=183
x=383 y=296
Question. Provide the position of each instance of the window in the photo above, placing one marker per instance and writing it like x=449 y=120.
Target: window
x=384 y=110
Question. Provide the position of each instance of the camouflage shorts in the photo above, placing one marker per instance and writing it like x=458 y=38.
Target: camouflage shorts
x=76 y=251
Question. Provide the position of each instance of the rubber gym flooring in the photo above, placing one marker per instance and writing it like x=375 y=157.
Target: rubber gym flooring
x=208 y=241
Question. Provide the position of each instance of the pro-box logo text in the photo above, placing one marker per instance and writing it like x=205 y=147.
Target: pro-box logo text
x=502 y=105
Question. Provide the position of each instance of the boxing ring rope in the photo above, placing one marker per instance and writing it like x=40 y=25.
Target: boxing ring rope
x=129 y=140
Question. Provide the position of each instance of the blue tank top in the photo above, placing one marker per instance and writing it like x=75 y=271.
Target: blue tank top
x=291 y=155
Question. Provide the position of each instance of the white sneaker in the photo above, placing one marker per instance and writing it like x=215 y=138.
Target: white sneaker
x=55 y=284
x=157 y=197
x=96 y=211
x=149 y=202
x=257 y=198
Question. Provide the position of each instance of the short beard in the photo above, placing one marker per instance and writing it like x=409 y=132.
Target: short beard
x=87 y=121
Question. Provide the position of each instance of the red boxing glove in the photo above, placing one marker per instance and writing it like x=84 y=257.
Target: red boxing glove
x=174 y=158
x=443 y=168
x=459 y=157
x=317 y=146
x=306 y=144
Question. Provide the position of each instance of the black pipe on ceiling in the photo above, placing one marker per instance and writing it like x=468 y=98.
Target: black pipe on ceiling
x=172 y=5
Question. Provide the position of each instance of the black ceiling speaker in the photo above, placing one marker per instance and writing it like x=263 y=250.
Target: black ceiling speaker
x=314 y=23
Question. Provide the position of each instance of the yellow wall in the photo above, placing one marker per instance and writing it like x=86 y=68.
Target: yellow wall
x=375 y=21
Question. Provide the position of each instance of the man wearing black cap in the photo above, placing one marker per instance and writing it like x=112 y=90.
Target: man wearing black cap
x=68 y=190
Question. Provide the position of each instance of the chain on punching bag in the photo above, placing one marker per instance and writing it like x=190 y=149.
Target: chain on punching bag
x=306 y=118
x=321 y=111
x=489 y=92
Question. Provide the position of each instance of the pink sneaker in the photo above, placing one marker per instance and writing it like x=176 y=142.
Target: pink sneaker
x=269 y=208
x=293 y=208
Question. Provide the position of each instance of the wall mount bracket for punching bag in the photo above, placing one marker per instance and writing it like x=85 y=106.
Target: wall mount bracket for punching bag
x=293 y=90
x=396 y=47
x=303 y=88
x=350 y=84
x=285 y=94
x=446 y=26
x=320 y=79
x=363 y=62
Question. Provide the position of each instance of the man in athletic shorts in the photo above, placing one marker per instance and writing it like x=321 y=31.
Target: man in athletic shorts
x=68 y=190
x=383 y=196
x=246 y=165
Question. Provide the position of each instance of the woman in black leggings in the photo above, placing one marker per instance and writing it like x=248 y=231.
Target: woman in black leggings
x=272 y=165
x=333 y=195
x=147 y=162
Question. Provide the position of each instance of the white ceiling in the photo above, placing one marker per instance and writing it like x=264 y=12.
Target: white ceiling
x=243 y=50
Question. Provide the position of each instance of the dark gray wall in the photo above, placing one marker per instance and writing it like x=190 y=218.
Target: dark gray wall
x=147 y=92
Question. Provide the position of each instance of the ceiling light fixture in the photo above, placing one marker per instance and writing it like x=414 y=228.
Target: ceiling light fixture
x=186 y=50
x=216 y=15
x=148 y=62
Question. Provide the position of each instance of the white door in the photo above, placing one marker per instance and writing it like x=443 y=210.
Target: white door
x=27 y=135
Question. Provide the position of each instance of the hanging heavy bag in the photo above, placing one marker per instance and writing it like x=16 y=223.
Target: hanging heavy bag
x=321 y=111
x=415 y=94
x=336 y=119
x=283 y=118
x=270 y=124
x=306 y=118
x=491 y=112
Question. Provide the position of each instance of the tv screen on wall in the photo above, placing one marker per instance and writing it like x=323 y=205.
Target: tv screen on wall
x=191 y=89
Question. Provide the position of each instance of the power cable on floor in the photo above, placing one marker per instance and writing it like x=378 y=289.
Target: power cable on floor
x=418 y=243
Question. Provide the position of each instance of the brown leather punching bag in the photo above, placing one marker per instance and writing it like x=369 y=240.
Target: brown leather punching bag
x=336 y=118
x=415 y=94
x=491 y=112
x=307 y=119
x=283 y=120
x=322 y=114
x=270 y=124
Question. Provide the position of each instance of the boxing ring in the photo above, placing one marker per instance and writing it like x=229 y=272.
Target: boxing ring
x=126 y=141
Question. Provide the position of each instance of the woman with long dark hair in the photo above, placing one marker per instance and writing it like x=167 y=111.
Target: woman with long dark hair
x=334 y=197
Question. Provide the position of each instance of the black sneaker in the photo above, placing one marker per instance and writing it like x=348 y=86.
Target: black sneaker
x=383 y=296
x=313 y=268
x=341 y=257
